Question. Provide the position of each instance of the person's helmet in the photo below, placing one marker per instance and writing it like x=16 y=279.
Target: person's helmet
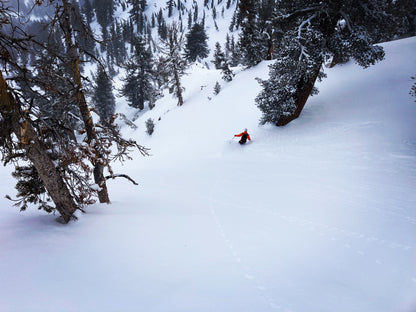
x=245 y=130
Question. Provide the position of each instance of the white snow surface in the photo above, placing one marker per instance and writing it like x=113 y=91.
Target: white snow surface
x=317 y=216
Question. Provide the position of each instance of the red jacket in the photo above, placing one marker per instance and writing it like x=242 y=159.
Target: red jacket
x=241 y=134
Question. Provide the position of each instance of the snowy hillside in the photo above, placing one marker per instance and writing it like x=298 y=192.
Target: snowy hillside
x=317 y=216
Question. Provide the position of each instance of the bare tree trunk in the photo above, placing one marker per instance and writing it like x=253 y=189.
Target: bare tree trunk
x=304 y=94
x=82 y=103
x=178 y=89
x=37 y=154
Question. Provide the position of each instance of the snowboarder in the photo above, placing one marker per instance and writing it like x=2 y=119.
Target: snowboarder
x=244 y=136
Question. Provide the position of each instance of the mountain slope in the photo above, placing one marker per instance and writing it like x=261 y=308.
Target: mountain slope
x=316 y=216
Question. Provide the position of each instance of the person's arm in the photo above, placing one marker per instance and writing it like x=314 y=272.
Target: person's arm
x=239 y=135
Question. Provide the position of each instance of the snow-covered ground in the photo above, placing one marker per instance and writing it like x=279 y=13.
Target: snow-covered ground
x=317 y=216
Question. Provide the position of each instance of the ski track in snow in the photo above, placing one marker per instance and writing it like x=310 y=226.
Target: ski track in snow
x=325 y=229
x=247 y=271
x=370 y=248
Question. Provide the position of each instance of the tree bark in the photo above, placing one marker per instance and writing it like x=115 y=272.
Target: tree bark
x=178 y=88
x=73 y=54
x=305 y=92
x=37 y=154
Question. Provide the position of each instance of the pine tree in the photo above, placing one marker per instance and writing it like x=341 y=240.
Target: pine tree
x=403 y=23
x=138 y=86
x=313 y=31
x=196 y=43
x=227 y=73
x=170 y=4
x=413 y=88
x=251 y=40
x=217 y=88
x=33 y=124
x=137 y=8
x=189 y=20
x=88 y=11
x=163 y=30
x=104 y=10
x=266 y=13
x=219 y=56
x=56 y=103
x=150 y=126
x=196 y=12
x=173 y=61
x=235 y=52
x=116 y=50
x=103 y=96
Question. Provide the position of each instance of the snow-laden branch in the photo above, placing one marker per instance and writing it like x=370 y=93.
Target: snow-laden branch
x=306 y=22
x=303 y=53
x=301 y=11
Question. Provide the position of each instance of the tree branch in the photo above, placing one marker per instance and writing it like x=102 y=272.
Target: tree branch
x=113 y=176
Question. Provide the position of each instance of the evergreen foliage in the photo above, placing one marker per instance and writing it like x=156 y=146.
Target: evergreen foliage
x=173 y=62
x=104 y=10
x=150 y=126
x=138 y=86
x=30 y=189
x=252 y=42
x=413 y=88
x=88 y=11
x=170 y=4
x=196 y=43
x=219 y=56
x=312 y=32
x=217 y=88
x=227 y=73
x=137 y=8
x=222 y=63
x=103 y=95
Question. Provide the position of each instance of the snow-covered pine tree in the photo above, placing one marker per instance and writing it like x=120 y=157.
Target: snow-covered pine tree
x=55 y=103
x=404 y=20
x=196 y=43
x=137 y=7
x=413 y=88
x=116 y=50
x=173 y=62
x=313 y=31
x=251 y=39
x=104 y=10
x=170 y=4
x=196 y=10
x=219 y=56
x=88 y=11
x=138 y=86
x=150 y=126
x=163 y=30
x=266 y=12
x=227 y=73
x=103 y=96
x=217 y=88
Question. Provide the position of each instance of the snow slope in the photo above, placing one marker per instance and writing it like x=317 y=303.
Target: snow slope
x=316 y=216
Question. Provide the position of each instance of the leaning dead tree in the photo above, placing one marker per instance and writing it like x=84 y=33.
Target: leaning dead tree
x=19 y=138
